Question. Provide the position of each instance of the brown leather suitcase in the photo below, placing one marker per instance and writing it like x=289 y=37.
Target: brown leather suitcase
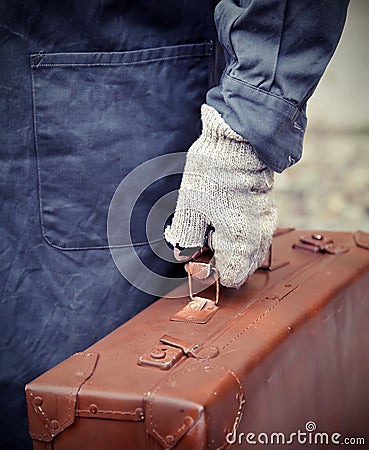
x=281 y=361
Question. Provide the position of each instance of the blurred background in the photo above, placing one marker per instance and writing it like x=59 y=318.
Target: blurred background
x=329 y=187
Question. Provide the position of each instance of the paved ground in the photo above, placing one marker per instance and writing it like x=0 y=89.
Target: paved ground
x=329 y=188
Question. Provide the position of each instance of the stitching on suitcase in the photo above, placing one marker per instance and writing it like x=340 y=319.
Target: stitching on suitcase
x=103 y=411
x=81 y=380
x=92 y=362
x=158 y=387
x=241 y=399
x=47 y=420
x=326 y=259
x=251 y=324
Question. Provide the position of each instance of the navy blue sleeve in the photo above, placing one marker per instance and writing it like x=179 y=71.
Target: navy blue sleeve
x=276 y=52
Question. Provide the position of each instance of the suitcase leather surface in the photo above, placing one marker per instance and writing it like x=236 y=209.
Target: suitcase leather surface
x=287 y=351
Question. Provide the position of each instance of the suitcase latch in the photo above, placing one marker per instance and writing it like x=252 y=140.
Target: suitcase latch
x=169 y=350
x=319 y=243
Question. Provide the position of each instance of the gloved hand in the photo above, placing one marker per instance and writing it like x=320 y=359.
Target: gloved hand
x=225 y=185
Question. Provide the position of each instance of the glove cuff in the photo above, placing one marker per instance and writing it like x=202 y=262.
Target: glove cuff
x=218 y=140
x=214 y=126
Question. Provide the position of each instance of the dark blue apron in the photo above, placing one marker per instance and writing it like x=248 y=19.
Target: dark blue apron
x=89 y=91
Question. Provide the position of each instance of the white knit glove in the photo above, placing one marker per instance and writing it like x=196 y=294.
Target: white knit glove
x=226 y=186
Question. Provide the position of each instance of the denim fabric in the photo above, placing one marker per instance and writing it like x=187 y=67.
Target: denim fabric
x=116 y=84
x=92 y=116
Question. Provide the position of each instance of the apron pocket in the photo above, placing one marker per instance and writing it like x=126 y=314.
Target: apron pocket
x=97 y=116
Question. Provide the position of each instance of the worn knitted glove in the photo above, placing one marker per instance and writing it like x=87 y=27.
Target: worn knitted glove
x=226 y=186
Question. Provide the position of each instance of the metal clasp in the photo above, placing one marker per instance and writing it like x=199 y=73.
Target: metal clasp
x=169 y=350
x=199 y=309
x=320 y=244
x=202 y=271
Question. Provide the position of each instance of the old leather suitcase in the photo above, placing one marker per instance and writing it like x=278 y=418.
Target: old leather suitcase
x=281 y=361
